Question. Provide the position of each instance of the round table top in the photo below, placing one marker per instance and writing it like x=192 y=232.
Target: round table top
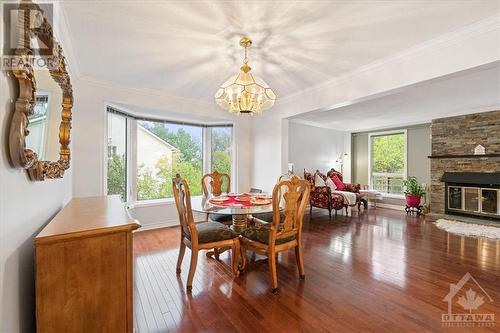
x=201 y=204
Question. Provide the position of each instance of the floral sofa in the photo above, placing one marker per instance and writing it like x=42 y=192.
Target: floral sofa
x=322 y=196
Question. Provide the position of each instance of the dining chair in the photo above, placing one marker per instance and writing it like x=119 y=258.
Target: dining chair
x=280 y=235
x=217 y=182
x=200 y=236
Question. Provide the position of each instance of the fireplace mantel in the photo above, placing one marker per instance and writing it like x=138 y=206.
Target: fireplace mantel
x=465 y=156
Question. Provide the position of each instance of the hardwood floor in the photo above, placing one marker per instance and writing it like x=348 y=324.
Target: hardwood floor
x=377 y=272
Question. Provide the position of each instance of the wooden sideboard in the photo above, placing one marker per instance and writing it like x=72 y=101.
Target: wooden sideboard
x=84 y=267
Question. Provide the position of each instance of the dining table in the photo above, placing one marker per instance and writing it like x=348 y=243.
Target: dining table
x=234 y=206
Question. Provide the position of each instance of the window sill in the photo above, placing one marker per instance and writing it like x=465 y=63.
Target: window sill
x=152 y=203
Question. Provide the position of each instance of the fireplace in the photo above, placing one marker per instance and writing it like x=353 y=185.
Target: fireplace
x=472 y=193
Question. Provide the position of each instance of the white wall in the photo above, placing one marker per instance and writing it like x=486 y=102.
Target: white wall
x=267 y=146
x=89 y=139
x=25 y=207
x=314 y=148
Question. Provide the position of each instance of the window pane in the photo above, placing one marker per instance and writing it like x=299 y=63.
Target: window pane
x=388 y=162
x=117 y=155
x=221 y=149
x=164 y=149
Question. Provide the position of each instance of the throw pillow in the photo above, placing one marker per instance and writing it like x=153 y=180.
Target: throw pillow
x=338 y=183
x=318 y=181
x=329 y=182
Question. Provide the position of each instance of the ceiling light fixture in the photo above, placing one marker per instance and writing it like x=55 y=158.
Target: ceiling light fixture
x=243 y=92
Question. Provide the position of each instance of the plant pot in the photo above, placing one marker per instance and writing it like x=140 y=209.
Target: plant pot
x=412 y=200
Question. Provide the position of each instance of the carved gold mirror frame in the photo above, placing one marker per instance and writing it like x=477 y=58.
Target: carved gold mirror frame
x=23 y=71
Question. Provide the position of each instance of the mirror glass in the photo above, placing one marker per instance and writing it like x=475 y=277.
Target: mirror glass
x=44 y=124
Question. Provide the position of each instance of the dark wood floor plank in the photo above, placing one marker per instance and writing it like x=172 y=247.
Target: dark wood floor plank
x=379 y=271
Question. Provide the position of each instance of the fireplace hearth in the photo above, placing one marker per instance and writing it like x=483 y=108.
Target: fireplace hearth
x=472 y=193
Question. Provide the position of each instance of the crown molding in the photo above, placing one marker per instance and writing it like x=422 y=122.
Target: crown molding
x=471 y=31
x=143 y=91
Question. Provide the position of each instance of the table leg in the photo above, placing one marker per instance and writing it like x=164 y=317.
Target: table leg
x=239 y=222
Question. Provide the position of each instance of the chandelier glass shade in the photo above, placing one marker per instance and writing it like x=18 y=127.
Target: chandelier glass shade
x=243 y=92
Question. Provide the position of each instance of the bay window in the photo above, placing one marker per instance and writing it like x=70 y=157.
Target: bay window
x=159 y=150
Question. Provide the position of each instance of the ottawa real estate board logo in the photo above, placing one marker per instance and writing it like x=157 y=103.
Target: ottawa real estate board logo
x=465 y=300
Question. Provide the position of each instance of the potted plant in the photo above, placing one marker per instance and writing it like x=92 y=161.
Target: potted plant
x=413 y=191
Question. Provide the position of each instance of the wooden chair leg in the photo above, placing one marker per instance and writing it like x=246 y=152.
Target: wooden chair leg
x=300 y=261
x=310 y=210
x=346 y=212
x=192 y=268
x=243 y=251
x=329 y=212
x=216 y=253
x=182 y=250
x=272 y=271
x=235 y=257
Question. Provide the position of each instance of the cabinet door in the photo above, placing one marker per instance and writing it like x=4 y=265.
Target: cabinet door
x=81 y=284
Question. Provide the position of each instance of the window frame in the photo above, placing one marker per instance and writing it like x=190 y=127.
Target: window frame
x=405 y=158
x=131 y=152
x=106 y=155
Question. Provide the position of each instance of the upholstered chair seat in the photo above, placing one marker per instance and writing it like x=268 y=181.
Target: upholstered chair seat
x=267 y=217
x=209 y=232
x=260 y=233
x=221 y=218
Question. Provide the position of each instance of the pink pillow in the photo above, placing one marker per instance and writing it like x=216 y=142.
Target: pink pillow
x=338 y=183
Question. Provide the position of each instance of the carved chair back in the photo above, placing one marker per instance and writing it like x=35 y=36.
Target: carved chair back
x=294 y=193
x=333 y=172
x=216 y=181
x=183 y=202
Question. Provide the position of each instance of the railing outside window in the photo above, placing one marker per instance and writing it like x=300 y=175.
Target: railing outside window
x=388 y=182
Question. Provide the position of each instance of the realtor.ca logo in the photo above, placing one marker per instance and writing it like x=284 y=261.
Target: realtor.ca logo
x=464 y=305
x=25 y=23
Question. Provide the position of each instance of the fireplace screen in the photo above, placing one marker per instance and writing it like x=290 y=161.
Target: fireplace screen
x=471 y=199
x=455 y=197
x=489 y=200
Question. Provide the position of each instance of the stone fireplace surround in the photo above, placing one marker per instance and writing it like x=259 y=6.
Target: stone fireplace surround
x=453 y=142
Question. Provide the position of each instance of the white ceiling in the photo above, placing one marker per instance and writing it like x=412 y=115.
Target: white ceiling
x=188 y=48
x=474 y=90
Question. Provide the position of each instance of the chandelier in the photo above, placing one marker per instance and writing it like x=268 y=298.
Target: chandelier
x=243 y=92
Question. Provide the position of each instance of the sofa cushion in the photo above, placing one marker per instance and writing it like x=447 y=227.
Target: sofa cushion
x=329 y=182
x=318 y=180
x=338 y=183
x=209 y=232
x=260 y=234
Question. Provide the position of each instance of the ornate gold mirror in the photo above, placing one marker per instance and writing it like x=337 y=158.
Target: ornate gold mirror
x=40 y=130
